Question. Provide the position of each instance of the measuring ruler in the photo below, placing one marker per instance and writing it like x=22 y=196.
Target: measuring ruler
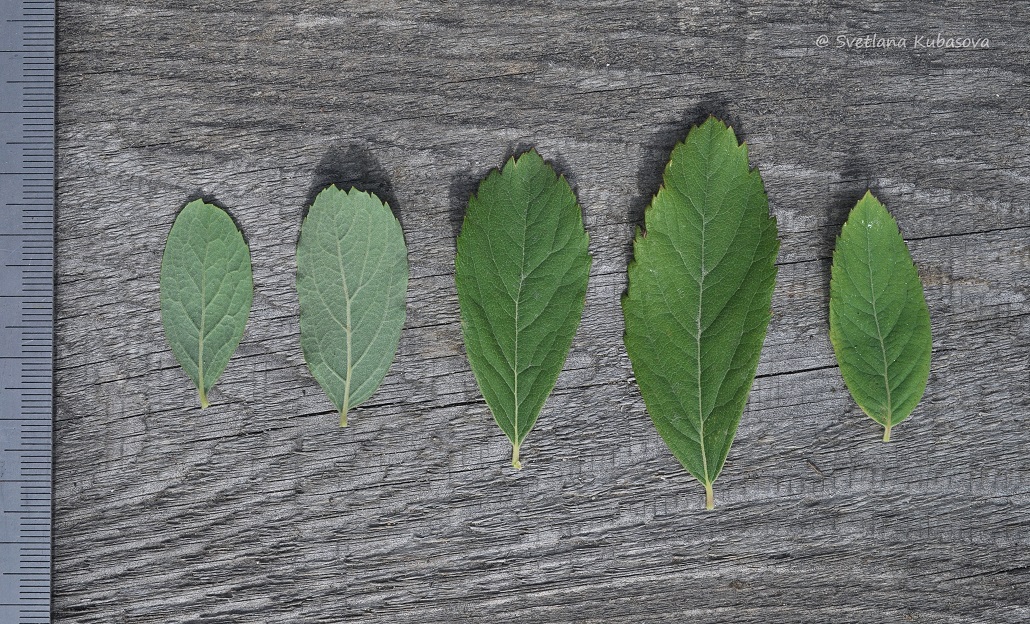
x=27 y=55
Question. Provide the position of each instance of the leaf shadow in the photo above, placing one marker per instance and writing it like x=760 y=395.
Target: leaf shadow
x=211 y=199
x=353 y=165
x=855 y=180
x=656 y=151
x=465 y=184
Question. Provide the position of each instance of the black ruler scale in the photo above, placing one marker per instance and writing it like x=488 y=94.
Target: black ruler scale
x=27 y=60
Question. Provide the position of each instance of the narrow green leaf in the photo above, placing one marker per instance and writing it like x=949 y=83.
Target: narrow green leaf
x=206 y=292
x=521 y=273
x=879 y=321
x=698 y=303
x=352 y=278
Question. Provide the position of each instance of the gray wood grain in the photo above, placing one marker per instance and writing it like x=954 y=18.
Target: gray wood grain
x=260 y=509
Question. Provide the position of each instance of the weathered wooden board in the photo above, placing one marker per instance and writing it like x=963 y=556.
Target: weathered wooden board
x=260 y=509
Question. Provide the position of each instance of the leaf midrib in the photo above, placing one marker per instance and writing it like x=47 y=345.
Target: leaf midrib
x=518 y=298
x=203 y=321
x=347 y=328
x=879 y=334
x=703 y=214
x=700 y=308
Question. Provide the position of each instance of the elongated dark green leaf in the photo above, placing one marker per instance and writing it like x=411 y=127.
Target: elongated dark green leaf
x=698 y=302
x=352 y=278
x=879 y=322
x=206 y=292
x=521 y=273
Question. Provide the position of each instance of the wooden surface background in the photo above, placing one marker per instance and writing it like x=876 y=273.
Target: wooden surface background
x=260 y=509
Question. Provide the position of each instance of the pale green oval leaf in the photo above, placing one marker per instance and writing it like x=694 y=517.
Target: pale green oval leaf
x=879 y=321
x=352 y=279
x=698 y=302
x=521 y=273
x=206 y=292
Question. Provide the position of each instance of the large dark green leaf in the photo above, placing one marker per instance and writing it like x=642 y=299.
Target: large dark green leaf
x=698 y=302
x=206 y=292
x=521 y=273
x=879 y=322
x=352 y=279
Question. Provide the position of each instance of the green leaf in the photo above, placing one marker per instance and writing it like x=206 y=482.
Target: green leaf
x=521 y=273
x=352 y=278
x=206 y=291
x=698 y=301
x=879 y=322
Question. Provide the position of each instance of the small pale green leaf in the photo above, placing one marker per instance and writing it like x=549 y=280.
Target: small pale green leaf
x=352 y=279
x=698 y=302
x=521 y=273
x=206 y=292
x=879 y=321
